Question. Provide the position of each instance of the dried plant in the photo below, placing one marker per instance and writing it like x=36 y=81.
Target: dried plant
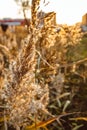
x=36 y=68
x=23 y=96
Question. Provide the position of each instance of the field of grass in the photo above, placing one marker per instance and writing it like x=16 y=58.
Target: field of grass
x=43 y=77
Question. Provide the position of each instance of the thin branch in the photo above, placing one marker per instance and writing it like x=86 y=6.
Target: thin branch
x=44 y=60
x=5 y=122
x=76 y=63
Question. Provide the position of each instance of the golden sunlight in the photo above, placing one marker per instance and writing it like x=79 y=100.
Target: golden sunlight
x=67 y=11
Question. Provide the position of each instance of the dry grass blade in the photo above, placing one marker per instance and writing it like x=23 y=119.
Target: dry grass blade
x=49 y=121
x=41 y=124
x=79 y=118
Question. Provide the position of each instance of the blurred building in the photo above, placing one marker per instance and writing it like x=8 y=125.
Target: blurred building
x=7 y=22
x=84 y=19
x=84 y=22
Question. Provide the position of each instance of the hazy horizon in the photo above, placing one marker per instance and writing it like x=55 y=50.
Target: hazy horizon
x=67 y=12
